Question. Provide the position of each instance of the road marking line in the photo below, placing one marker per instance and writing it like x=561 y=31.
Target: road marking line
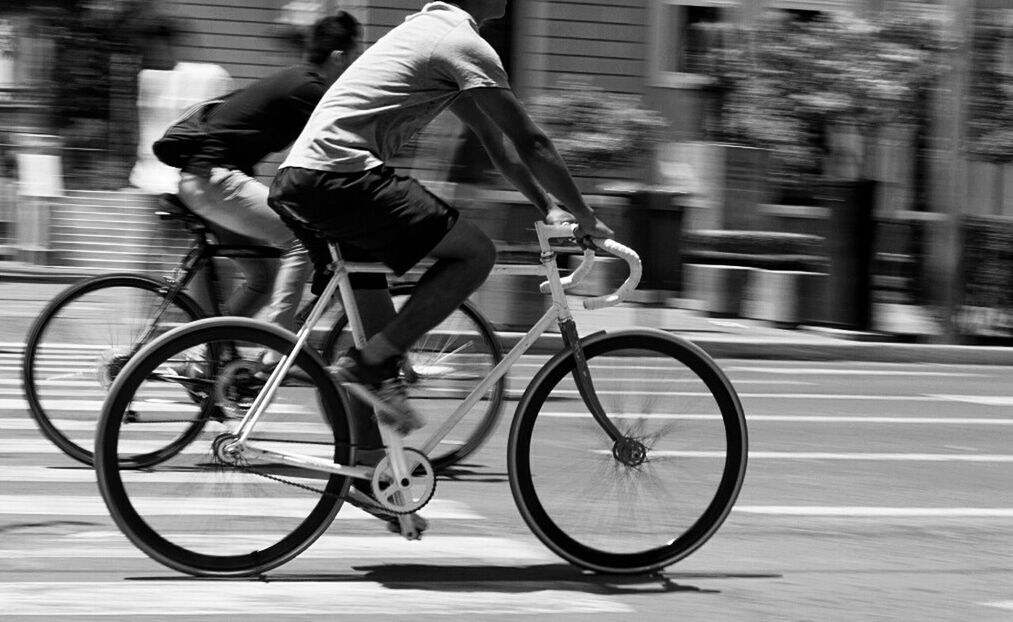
x=797 y=418
x=275 y=505
x=843 y=396
x=95 y=405
x=813 y=455
x=1001 y=605
x=115 y=545
x=22 y=423
x=982 y=400
x=829 y=371
x=43 y=446
x=279 y=598
x=875 y=419
x=87 y=475
x=91 y=420
x=885 y=512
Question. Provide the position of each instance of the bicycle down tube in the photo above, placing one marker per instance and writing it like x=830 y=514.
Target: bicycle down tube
x=558 y=312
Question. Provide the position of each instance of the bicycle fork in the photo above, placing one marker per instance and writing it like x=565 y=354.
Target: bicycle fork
x=582 y=378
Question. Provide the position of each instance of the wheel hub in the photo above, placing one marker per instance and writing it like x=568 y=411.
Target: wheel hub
x=629 y=451
x=237 y=386
x=109 y=364
x=223 y=449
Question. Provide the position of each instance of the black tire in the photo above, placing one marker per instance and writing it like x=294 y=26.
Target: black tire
x=78 y=344
x=448 y=361
x=616 y=511
x=207 y=515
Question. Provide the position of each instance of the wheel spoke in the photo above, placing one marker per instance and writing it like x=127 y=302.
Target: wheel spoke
x=647 y=498
x=195 y=494
x=78 y=345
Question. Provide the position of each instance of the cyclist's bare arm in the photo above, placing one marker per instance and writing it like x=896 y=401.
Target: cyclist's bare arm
x=525 y=155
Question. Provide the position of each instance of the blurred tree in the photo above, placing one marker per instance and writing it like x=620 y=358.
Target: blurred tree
x=990 y=102
x=990 y=94
x=595 y=131
x=101 y=46
x=796 y=86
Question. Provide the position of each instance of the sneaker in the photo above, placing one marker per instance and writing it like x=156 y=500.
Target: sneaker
x=384 y=382
x=191 y=373
x=190 y=366
x=367 y=504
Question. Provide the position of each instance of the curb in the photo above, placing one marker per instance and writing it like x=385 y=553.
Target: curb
x=816 y=346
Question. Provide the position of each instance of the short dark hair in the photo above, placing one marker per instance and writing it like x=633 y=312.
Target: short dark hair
x=338 y=32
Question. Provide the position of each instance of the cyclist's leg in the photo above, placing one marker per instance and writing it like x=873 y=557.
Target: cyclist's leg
x=255 y=292
x=376 y=310
x=397 y=220
x=465 y=256
x=289 y=284
x=238 y=203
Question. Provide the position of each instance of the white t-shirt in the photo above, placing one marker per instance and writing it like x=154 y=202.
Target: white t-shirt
x=395 y=89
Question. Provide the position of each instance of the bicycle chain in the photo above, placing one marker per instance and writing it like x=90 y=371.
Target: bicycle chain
x=307 y=488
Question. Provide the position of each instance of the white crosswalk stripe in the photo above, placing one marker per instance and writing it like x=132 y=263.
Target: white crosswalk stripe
x=34 y=492
x=276 y=506
x=278 y=598
x=112 y=544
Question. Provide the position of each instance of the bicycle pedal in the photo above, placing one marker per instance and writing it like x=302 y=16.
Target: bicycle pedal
x=408 y=529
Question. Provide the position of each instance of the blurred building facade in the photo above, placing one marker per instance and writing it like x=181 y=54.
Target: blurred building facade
x=648 y=48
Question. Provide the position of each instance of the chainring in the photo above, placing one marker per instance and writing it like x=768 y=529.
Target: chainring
x=413 y=493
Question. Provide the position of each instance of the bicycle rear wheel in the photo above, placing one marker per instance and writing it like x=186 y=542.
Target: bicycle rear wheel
x=204 y=511
x=443 y=367
x=81 y=341
x=652 y=499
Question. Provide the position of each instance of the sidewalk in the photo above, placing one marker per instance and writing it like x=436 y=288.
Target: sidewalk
x=903 y=333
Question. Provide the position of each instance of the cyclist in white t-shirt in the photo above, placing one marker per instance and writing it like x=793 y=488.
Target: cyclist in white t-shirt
x=336 y=181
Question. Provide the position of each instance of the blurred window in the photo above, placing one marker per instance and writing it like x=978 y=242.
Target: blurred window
x=683 y=32
x=800 y=15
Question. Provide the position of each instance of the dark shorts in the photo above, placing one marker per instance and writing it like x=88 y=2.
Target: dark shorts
x=374 y=215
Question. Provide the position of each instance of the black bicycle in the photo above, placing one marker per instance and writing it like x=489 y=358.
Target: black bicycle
x=86 y=334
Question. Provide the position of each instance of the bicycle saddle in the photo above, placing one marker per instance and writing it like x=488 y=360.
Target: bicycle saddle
x=172 y=208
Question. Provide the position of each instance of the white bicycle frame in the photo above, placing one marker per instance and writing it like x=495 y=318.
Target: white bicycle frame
x=558 y=312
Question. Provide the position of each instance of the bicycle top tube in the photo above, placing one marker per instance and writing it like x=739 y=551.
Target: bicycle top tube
x=546 y=233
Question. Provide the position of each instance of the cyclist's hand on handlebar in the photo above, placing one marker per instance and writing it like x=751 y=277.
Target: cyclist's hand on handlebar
x=559 y=216
x=588 y=227
x=593 y=228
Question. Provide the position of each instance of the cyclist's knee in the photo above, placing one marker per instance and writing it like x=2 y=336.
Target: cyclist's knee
x=485 y=254
x=468 y=243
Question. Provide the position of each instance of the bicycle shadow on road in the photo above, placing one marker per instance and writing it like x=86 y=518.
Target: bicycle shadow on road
x=518 y=579
x=475 y=473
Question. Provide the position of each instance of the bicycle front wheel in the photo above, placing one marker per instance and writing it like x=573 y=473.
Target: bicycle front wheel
x=654 y=495
x=442 y=367
x=81 y=341
x=206 y=510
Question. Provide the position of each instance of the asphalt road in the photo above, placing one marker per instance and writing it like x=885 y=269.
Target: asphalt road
x=874 y=492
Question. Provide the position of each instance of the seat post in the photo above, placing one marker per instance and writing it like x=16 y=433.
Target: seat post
x=347 y=296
